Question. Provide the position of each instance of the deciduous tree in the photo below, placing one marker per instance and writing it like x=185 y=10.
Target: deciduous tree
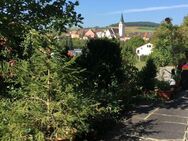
x=17 y=17
x=167 y=40
x=128 y=50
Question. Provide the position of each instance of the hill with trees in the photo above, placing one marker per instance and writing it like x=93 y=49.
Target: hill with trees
x=140 y=23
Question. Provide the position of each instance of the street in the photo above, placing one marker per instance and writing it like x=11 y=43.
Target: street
x=167 y=122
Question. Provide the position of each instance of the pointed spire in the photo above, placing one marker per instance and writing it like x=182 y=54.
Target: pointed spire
x=122 y=20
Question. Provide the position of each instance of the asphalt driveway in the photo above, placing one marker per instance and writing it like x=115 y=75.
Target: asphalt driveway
x=167 y=122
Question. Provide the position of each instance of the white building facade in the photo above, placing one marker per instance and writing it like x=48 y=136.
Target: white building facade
x=144 y=50
x=121 y=27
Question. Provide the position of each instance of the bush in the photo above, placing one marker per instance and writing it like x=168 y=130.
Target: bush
x=103 y=64
x=162 y=85
x=147 y=75
x=162 y=58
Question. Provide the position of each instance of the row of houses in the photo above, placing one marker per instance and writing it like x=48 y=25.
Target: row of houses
x=110 y=33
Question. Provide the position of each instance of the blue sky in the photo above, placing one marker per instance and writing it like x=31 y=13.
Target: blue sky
x=106 y=12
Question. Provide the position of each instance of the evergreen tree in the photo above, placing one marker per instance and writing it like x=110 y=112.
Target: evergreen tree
x=102 y=61
x=45 y=106
x=147 y=75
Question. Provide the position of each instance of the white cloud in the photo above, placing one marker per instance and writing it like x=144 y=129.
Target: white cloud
x=148 y=9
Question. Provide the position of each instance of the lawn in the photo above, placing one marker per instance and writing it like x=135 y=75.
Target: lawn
x=140 y=64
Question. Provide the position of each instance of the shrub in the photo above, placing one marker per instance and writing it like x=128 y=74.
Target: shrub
x=147 y=75
x=103 y=64
x=162 y=57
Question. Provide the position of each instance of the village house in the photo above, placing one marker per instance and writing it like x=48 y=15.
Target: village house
x=144 y=50
x=89 y=34
x=74 y=34
x=100 y=34
x=109 y=33
x=78 y=33
x=74 y=52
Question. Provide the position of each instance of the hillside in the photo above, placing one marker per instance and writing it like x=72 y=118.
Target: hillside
x=138 y=26
x=142 y=24
x=130 y=29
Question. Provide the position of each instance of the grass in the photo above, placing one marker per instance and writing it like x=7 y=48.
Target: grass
x=140 y=64
x=146 y=29
x=139 y=29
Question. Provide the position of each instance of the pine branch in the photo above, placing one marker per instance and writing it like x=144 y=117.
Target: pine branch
x=39 y=99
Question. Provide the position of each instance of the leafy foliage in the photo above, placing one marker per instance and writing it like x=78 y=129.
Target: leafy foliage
x=102 y=60
x=79 y=43
x=72 y=43
x=168 y=43
x=129 y=49
x=183 y=30
x=38 y=14
x=162 y=57
x=147 y=75
x=17 y=17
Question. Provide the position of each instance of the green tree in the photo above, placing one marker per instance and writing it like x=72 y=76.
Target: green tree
x=184 y=32
x=128 y=49
x=79 y=43
x=162 y=57
x=167 y=40
x=185 y=21
x=46 y=105
x=17 y=17
x=40 y=14
x=162 y=38
x=102 y=60
x=147 y=75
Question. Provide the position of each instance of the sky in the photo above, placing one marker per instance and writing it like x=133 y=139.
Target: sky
x=106 y=12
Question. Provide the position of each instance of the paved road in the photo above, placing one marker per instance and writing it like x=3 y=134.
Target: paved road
x=168 y=122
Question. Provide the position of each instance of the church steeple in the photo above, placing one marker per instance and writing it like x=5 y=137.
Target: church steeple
x=121 y=27
x=122 y=20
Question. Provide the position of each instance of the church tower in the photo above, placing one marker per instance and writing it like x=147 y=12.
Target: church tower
x=121 y=27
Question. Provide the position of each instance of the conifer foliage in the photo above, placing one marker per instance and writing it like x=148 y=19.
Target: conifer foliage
x=147 y=75
x=103 y=64
x=45 y=105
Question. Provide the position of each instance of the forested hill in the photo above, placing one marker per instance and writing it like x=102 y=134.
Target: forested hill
x=147 y=24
